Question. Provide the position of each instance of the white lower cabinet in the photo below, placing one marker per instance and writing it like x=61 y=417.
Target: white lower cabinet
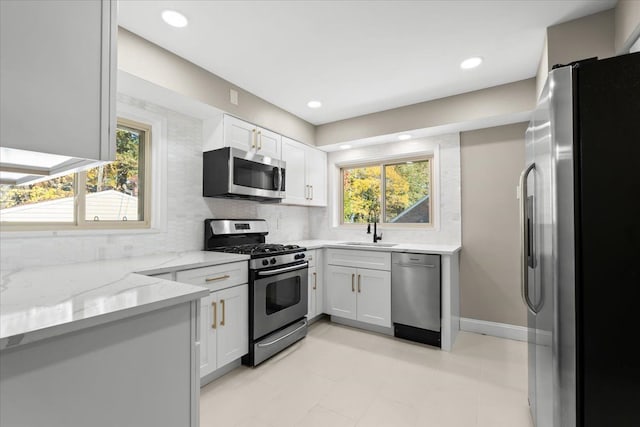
x=224 y=314
x=316 y=284
x=359 y=294
x=224 y=333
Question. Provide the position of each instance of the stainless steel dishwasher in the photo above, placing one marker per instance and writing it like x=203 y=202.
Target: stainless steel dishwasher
x=415 y=297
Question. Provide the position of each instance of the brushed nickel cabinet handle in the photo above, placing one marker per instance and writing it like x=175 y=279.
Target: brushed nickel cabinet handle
x=359 y=289
x=315 y=280
x=353 y=277
x=213 y=279
x=253 y=138
x=223 y=312
x=311 y=197
x=215 y=315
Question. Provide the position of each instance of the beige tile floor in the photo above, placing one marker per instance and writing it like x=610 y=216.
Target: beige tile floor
x=343 y=377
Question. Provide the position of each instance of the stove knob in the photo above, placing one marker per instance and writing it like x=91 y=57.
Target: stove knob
x=265 y=262
x=273 y=261
x=301 y=256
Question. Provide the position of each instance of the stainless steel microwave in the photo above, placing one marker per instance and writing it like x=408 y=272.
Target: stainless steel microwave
x=233 y=173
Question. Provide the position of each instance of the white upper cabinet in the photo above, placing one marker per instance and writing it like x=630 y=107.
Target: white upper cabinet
x=306 y=174
x=57 y=80
x=294 y=154
x=251 y=138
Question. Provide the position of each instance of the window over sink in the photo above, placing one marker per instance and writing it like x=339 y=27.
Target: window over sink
x=394 y=192
x=112 y=195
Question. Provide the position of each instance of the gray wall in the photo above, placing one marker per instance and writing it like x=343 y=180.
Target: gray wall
x=503 y=100
x=491 y=161
x=150 y=62
x=627 y=24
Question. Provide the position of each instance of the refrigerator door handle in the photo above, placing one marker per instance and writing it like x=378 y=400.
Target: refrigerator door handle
x=524 y=239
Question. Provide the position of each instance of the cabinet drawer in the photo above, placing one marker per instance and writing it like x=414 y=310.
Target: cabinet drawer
x=216 y=277
x=359 y=259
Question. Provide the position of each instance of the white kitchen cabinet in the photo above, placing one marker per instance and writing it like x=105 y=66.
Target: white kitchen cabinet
x=208 y=335
x=356 y=293
x=359 y=294
x=306 y=174
x=374 y=297
x=225 y=328
x=251 y=138
x=316 y=178
x=57 y=79
x=233 y=330
x=316 y=284
x=224 y=313
x=341 y=291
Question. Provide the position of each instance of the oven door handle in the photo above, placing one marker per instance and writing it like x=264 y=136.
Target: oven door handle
x=267 y=344
x=283 y=270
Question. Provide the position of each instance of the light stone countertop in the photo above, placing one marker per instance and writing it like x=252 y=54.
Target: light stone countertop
x=43 y=302
x=400 y=247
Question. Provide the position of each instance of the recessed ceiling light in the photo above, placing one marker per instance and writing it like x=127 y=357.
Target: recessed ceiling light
x=469 y=63
x=345 y=146
x=175 y=19
x=314 y=104
x=404 y=137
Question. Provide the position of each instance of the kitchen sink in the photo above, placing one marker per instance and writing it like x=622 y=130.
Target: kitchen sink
x=371 y=244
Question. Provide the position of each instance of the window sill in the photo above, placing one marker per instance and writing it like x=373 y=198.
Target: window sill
x=25 y=234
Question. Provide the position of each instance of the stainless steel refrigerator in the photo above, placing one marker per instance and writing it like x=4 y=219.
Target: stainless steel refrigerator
x=580 y=228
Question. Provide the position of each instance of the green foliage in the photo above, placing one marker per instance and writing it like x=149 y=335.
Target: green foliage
x=405 y=185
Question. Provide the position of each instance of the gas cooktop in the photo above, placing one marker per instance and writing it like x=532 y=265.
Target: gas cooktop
x=257 y=250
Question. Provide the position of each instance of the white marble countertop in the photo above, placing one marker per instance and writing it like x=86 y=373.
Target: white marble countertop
x=399 y=247
x=43 y=302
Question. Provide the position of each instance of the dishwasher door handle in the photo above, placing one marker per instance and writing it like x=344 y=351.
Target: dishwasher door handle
x=416 y=265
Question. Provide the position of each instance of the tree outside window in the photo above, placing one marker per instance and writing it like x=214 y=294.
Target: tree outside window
x=392 y=193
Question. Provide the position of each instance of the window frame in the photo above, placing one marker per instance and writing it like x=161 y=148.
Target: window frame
x=382 y=163
x=79 y=199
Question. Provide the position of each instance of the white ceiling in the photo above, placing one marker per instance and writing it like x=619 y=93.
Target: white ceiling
x=357 y=57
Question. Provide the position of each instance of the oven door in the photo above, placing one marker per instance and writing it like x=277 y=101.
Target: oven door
x=279 y=298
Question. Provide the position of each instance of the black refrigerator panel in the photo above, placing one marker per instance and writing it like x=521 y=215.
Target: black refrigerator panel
x=607 y=200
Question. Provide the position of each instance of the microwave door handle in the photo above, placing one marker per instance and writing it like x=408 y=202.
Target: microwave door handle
x=277 y=178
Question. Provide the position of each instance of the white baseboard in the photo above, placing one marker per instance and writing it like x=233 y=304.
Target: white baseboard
x=501 y=330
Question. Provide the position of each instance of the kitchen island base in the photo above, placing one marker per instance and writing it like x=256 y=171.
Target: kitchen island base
x=138 y=371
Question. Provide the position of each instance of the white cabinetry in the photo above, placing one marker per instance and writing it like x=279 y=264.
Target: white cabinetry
x=57 y=72
x=316 y=284
x=224 y=313
x=251 y=138
x=362 y=294
x=306 y=174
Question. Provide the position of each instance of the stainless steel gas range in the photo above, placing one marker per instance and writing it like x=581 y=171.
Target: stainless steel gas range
x=277 y=284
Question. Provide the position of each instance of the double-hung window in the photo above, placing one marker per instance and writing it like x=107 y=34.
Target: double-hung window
x=395 y=192
x=112 y=195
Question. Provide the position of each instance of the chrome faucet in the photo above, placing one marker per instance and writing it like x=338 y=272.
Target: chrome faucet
x=376 y=237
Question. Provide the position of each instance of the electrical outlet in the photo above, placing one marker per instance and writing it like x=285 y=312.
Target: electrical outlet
x=233 y=96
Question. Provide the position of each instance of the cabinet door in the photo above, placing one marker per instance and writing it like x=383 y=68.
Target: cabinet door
x=293 y=153
x=57 y=73
x=312 y=292
x=341 y=291
x=316 y=165
x=233 y=324
x=320 y=288
x=239 y=134
x=208 y=335
x=269 y=143
x=374 y=297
